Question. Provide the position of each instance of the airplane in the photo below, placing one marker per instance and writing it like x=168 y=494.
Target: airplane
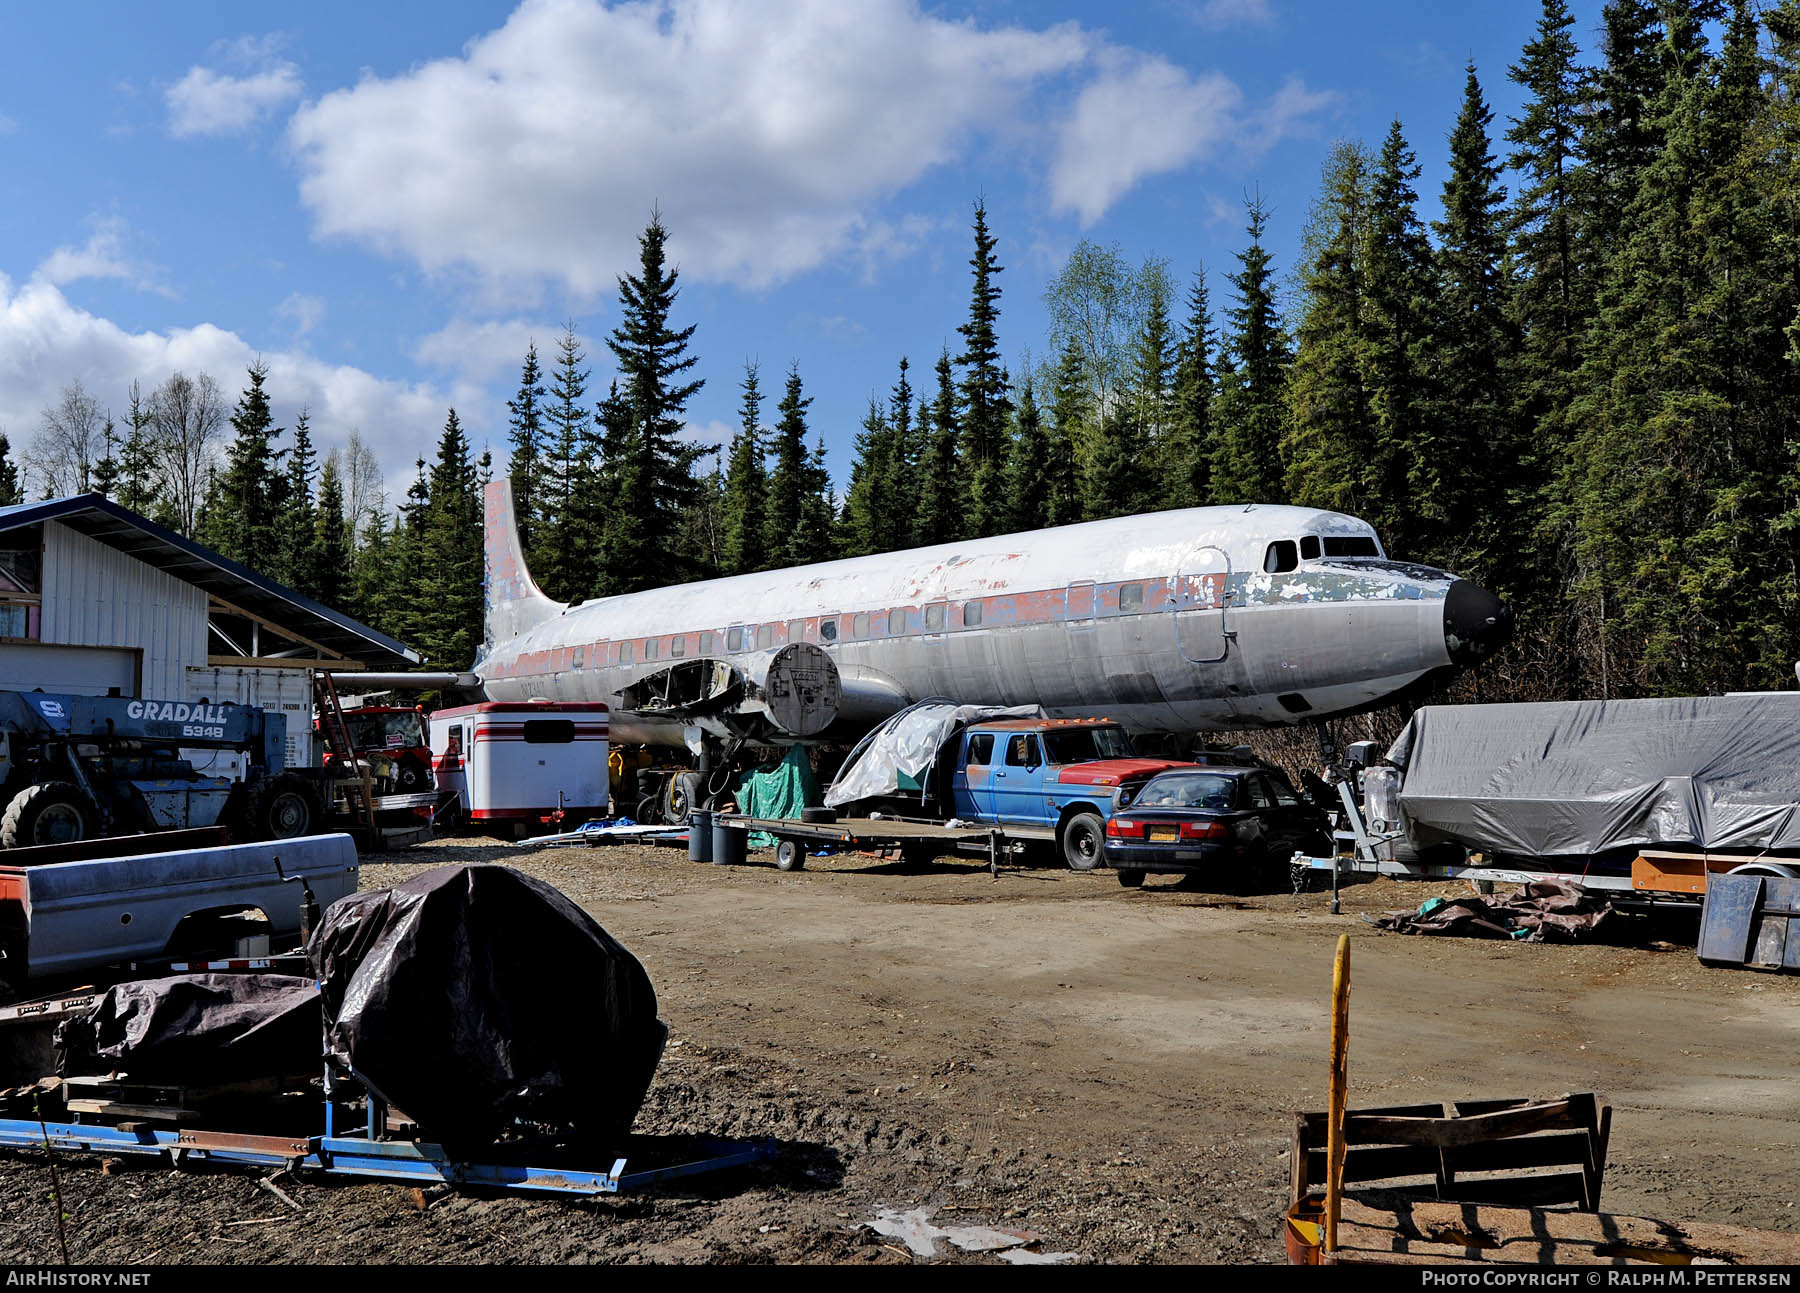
x=1198 y=619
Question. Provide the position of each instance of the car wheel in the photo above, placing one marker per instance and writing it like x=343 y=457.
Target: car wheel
x=1132 y=879
x=54 y=812
x=1081 y=841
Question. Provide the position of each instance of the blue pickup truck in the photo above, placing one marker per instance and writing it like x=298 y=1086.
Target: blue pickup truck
x=1068 y=774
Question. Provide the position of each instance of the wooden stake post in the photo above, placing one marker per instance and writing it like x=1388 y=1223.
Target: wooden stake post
x=1340 y=1082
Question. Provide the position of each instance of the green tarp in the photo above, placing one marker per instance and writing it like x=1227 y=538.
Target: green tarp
x=781 y=791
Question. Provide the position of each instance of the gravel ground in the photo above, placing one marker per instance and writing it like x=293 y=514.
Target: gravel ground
x=1111 y=1070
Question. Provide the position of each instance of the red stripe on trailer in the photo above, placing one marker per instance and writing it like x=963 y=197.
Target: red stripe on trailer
x=195 y=967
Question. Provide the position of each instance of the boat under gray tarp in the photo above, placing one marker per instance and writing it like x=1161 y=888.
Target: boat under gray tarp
x=1584 y=777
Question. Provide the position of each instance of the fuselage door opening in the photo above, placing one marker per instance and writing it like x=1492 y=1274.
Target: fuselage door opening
x=1202 y=591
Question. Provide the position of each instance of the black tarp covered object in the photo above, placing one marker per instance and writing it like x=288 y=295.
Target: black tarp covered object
x=199 y=1028
x=469 y=996
x=1582 y=777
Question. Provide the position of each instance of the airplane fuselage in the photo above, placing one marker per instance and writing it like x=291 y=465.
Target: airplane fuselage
x=1198 y=619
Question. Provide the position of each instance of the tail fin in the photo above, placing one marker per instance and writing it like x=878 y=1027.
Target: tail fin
x=514 y=602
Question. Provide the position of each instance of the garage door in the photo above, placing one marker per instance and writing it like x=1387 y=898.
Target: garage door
x=79 y=671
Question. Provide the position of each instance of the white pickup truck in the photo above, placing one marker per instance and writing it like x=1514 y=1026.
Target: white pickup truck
x=62 y=918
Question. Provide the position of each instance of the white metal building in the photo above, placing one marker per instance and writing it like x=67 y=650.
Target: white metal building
x=96 y=599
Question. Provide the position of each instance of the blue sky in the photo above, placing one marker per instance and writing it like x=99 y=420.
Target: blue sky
x=386 y=201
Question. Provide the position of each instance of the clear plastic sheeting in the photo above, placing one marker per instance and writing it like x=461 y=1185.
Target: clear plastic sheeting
x=471 y=996
x=1584 y=777
x=198 y=1029
x=897 y=757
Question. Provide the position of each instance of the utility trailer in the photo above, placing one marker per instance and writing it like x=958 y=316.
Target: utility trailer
x=913 y=840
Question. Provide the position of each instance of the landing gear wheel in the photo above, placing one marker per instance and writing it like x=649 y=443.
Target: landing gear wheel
x=1132 y=879
x=287 y=811
x=1081 y=841
x=789 y=855
x=54 y=812
x=685 y=791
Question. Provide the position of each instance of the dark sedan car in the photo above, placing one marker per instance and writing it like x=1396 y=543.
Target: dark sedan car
x=1237 y=827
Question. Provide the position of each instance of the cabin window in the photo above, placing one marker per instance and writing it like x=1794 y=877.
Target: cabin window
x=580 y=661
x=981 y=748
x=796 y=630
x=765 y=636
x=626 y=654
x=678 y=646
x=896 y=622
x=860 y=626
x=1131 y=598
x=734 y=640
x=549 y=731
x=1281 y=557
x=828 y=629
x=1362 y=546
x=1022 y=752
x=1309 y=548
x=706 y=644
x=650 y=648
x=1257 y=788
x=934 y=618
x=971 y=615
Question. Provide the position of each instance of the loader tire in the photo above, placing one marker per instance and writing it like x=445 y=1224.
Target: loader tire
x=52 y=812
x=288 y=810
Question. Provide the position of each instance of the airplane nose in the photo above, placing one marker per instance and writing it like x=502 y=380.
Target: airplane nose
x=1476 y=623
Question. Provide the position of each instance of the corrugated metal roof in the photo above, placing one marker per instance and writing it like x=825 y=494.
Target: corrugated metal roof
x=106 y=522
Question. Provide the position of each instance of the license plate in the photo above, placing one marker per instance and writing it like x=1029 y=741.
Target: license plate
x=1164 y=833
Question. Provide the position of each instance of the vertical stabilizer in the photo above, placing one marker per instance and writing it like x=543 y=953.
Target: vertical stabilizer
x=514 y=602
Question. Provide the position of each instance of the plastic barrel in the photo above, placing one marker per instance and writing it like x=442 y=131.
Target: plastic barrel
x=730 y=844
x=700 y=836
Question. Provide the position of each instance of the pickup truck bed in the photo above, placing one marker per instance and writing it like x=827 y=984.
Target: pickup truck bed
x=65 y=917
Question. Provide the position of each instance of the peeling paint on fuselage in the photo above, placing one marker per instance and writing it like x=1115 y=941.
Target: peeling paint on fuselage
x=1164 y=622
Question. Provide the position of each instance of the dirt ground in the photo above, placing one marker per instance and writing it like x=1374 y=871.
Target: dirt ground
x=1112 y=1070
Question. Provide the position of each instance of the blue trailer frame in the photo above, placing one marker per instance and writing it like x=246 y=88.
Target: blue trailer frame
x=359 y=1155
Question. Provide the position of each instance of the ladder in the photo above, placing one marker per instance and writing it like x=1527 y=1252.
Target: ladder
x=336 y=731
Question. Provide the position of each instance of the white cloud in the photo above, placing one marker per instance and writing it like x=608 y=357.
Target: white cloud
x=774 y=137
x=102 y=256
x=208 y=102
x=46 y=342
x=305 y=312
x=483 y=350
x=766 y=132
x=1141 y=116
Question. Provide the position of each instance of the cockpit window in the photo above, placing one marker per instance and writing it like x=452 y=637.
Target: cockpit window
x=1309 y=548
x=1361 y=546
x=1281 y=557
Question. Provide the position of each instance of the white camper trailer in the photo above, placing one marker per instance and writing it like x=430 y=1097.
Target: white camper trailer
x=517 y=764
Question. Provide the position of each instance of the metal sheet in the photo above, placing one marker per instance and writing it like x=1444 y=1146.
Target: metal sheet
x=95 y=595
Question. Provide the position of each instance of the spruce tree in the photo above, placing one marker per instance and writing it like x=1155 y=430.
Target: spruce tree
x=1331 y=443
x=105 y=477
x=896 y=503
x=654 y=480
x=746 y=483
x=330 y=546
x=1070 y=409
x=526 y=467
x=137 y=458
x=1029 y=467
x=1465 y=477
x=1187 y=447
x=1246 y=457
x=300 y=557
x=943 y=514
x=984 y=399
x=862 y=530
x=449 y=590
x=790 y=481
x=11 y=487
x=1399 y=309
x=246 y=506
x=571 y=499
